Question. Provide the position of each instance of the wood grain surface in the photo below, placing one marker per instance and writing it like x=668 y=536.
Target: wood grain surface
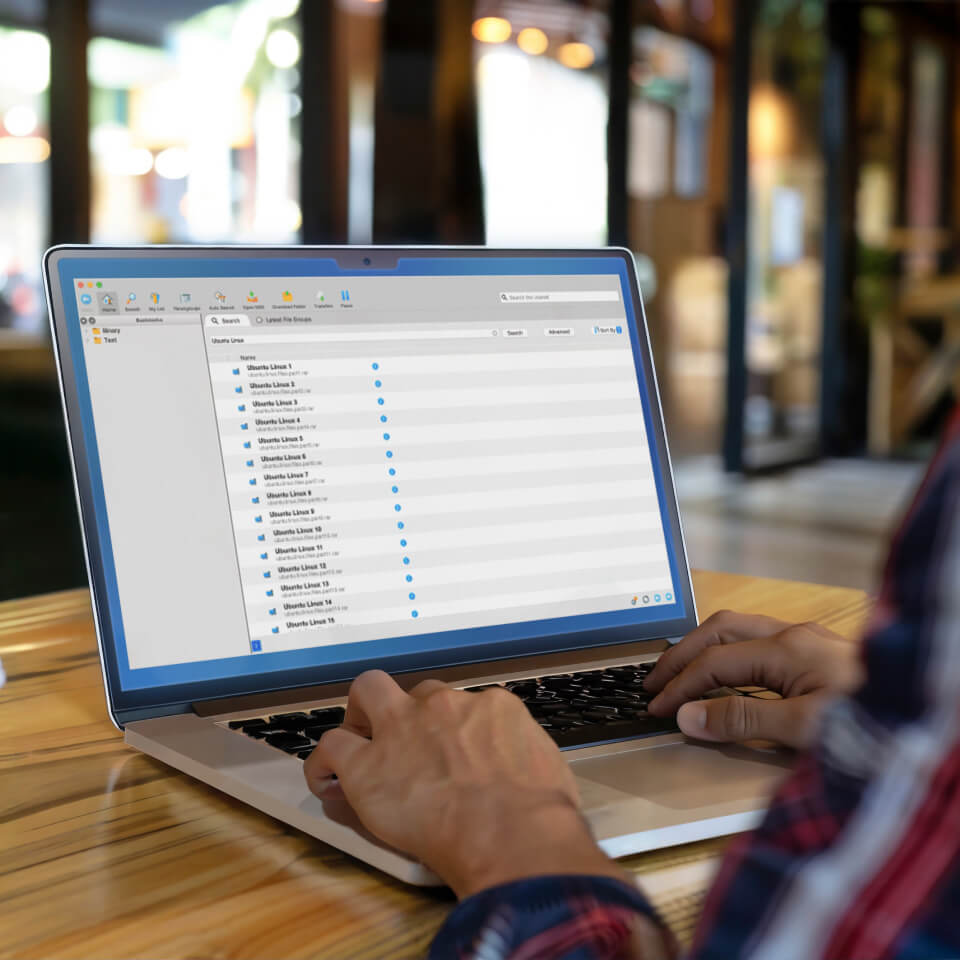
x=106 y=853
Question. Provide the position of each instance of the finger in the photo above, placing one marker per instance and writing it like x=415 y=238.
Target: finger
x=373 y=695
x=721 y=628
x=336 y=752
x=731 y=719
x=426 y=687
x=760 y=663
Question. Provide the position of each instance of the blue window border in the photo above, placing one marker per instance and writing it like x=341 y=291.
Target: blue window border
x=153 y=687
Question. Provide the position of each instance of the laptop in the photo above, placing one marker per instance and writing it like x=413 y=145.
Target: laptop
x=294 y=464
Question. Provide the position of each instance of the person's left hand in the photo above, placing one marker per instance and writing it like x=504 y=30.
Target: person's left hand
x=467 y=782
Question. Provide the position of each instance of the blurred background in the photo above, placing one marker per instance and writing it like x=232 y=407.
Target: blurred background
x=784 y=171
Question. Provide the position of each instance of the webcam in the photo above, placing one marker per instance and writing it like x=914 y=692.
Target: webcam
x=366 y=261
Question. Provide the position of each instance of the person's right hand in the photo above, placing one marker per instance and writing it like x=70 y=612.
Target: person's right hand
x=805 y=663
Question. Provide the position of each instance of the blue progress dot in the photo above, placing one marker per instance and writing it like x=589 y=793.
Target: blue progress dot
x=389 y=454
x=376 y=366
x=378 y=383
x=414 y=614
x=406 y=561
x=403 y=543
x=409 y=578
x=413 y=596
x=380 y=401
x=400 y=525
x=395 y=489
x=396 y=507
x=386 y=436
x=392 y=472
x=383 y=418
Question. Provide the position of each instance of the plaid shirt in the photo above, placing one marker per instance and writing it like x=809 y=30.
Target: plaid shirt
x=859 y=853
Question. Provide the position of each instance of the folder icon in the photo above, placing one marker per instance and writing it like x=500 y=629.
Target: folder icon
x=263 y=556
x=266 y=575
x=242 y=408
x=97 y=340
x=258 y=519
x=253 y=481
x=238 y=389
x=272 y=611
x=254 y=499
x=269 y=593
x=249 y=463
x=274 y=629
x=96 y=331
x=236 y=371
x=246 y=445
x=262 y=536
x=244 y=426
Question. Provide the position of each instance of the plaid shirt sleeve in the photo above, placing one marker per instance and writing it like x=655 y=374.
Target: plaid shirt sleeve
x=552 y=918
x=859 y=853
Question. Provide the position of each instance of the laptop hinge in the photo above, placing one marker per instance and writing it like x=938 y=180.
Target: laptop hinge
x=549 y=662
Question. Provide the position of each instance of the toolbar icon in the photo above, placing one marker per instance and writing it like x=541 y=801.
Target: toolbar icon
x=345 y=296
x=155 y=299
x=252 y=297
x=220 y=297
x=287 y=296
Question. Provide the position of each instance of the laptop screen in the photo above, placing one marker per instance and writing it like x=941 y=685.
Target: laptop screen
x=292 y=465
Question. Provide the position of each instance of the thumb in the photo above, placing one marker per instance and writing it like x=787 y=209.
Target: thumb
x=791 y=722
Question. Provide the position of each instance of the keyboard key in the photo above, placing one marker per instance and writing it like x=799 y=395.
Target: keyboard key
x=288 y=741
x=245 y=724
x=329 y=714
x=316 y=730
x=290 y=721
x=303 y=754
x=488 y=686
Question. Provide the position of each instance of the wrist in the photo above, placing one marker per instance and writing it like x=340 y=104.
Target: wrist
x=548 y=838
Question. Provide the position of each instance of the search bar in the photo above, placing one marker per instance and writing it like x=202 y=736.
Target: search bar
x=560 y=296
x=227 y=320
x=359 y=336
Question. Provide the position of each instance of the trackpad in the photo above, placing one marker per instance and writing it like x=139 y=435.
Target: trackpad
x=682 y=775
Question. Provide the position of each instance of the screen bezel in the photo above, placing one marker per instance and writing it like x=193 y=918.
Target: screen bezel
x=131 y=704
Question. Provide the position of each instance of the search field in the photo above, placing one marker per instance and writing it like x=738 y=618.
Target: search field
x=560 y=296
x=227 y=320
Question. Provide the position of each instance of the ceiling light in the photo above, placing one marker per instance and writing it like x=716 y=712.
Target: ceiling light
x=577 y=56
x=283 y=48
x=20 y=120
x=532 y=40
x=492 y=29
x=23 y=149
x=172 y=163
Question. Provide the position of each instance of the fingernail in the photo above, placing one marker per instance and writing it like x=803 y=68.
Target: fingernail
x=697 y=715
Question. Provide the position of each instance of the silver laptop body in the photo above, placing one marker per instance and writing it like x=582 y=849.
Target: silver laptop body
x=296 y=463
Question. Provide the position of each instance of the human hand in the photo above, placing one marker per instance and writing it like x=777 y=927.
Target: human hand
x=805 y=663
x=467 y=782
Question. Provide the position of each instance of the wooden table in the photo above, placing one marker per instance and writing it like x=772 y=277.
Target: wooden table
x=105 y=852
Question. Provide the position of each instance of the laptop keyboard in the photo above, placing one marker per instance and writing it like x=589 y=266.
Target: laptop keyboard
x=576 y=709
